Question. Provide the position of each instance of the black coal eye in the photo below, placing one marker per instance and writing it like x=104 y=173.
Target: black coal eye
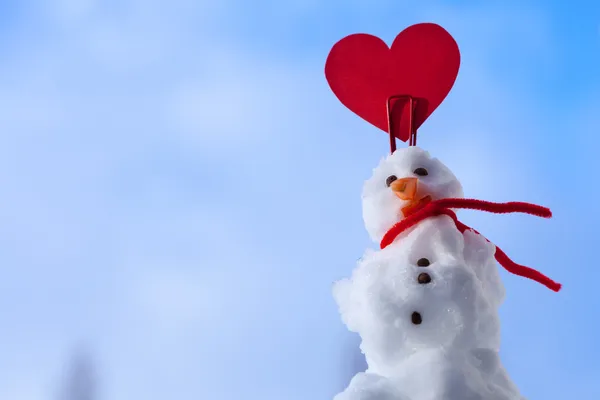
x=421 y=172
x=390 y=179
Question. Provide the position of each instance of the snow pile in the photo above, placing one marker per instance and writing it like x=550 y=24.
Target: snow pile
x=426 y=307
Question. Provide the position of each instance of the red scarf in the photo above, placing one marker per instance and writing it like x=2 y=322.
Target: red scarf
x=443 y=206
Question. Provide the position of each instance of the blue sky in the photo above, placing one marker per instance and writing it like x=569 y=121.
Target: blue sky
x=180 y=189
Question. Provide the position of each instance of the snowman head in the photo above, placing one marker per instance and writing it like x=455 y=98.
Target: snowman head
x=403 y=182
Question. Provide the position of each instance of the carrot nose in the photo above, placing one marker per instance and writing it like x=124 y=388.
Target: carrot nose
x=405 y=188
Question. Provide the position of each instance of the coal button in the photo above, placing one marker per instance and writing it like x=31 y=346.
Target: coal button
x=423 y=262
x=416 y=318
x=424 y=278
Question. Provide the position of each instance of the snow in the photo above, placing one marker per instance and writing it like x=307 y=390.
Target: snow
x=425 y=307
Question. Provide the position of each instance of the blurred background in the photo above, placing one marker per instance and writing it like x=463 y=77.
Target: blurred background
x=179 y=189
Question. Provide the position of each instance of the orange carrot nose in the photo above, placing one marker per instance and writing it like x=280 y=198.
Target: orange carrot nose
x=405 y=188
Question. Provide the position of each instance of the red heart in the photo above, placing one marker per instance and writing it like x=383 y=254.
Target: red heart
x=364 y=73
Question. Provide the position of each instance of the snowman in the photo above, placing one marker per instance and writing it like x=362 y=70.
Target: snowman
x=425 y=304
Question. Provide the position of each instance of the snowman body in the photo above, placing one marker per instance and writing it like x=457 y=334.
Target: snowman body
x=437 y=375
x=425 y=306
x=418 y=293
x=428 y=329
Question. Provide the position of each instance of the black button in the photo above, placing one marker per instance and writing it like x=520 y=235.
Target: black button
x=416 y=318
x=424 y=278
x=423 y=262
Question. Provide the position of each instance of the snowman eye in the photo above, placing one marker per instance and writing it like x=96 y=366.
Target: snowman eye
x=390 y=179
x=421 y=171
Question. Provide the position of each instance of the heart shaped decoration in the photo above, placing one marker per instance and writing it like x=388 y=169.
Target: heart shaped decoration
x=364 y=73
